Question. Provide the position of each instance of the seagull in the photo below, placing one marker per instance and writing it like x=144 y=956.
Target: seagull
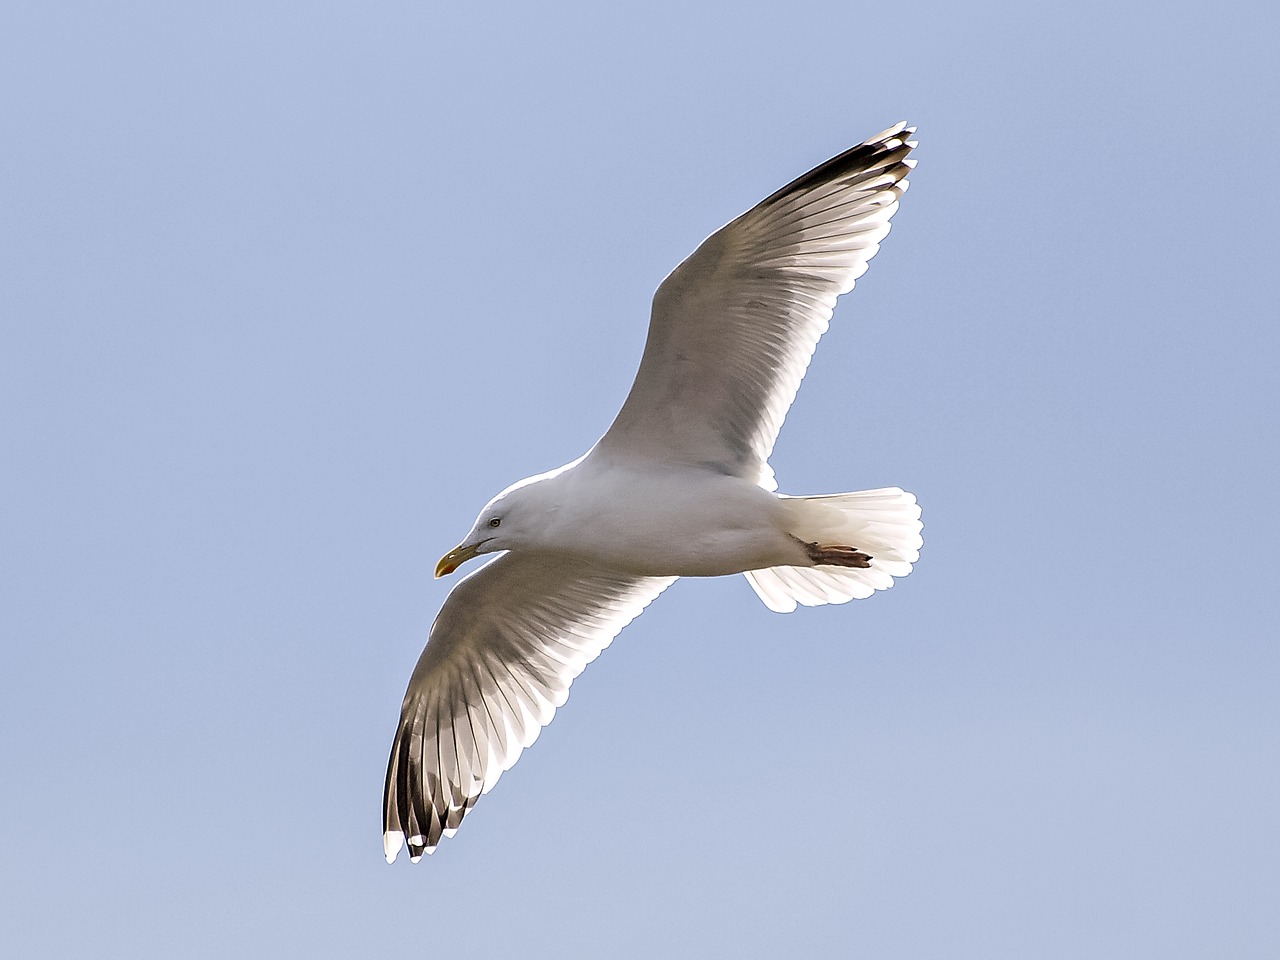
x=679 y=486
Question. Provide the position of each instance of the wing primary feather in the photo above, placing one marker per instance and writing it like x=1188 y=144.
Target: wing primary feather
x=411 y=776
x=477 y=753
x=440 y=795
x=497 y=746
x=513 y=734
x=866 y=158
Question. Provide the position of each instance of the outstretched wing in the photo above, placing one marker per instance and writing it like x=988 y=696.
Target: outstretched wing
x=734 y=326
x=509 y=640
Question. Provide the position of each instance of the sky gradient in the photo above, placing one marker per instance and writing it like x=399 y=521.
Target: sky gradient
x=290 y=290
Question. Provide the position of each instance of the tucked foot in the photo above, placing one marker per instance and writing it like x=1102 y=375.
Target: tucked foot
x=837 y=556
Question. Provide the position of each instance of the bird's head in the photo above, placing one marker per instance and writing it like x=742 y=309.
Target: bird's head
x=509 y=521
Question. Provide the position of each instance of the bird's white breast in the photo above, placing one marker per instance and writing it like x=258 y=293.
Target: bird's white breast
x=667 y=522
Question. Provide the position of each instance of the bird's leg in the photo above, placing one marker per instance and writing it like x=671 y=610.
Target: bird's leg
x=836 y=555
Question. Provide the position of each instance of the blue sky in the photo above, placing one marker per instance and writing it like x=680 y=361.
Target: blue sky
x=290 y=290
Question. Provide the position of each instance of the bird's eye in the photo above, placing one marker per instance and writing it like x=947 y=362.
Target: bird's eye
x=495 y=522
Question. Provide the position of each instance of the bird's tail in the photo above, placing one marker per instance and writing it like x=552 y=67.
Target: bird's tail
x=883 y=528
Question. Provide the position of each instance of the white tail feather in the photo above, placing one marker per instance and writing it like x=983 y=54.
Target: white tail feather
x=883 y=523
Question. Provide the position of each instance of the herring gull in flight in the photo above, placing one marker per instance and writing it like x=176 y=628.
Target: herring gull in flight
x=679 y=486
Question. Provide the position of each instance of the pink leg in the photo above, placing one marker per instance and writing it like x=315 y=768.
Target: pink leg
x=836 y=555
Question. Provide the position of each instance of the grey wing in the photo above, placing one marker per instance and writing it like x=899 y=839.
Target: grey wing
x=509 y=640
x=734 y=326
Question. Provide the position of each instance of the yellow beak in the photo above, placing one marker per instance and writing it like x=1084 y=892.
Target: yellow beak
x=455 y=558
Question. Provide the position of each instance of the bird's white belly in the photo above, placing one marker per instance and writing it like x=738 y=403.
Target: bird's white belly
x=688 y=525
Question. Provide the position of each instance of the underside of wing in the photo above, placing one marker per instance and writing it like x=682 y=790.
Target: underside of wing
x=734 y=326
x=509 y=640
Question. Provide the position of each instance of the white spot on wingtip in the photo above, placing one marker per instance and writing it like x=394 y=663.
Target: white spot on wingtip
x=392 y=841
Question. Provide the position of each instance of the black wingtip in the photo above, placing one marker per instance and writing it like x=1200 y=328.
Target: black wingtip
x=886 y=152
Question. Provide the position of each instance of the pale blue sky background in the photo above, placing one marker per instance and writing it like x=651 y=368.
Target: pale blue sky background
x=289 y=290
